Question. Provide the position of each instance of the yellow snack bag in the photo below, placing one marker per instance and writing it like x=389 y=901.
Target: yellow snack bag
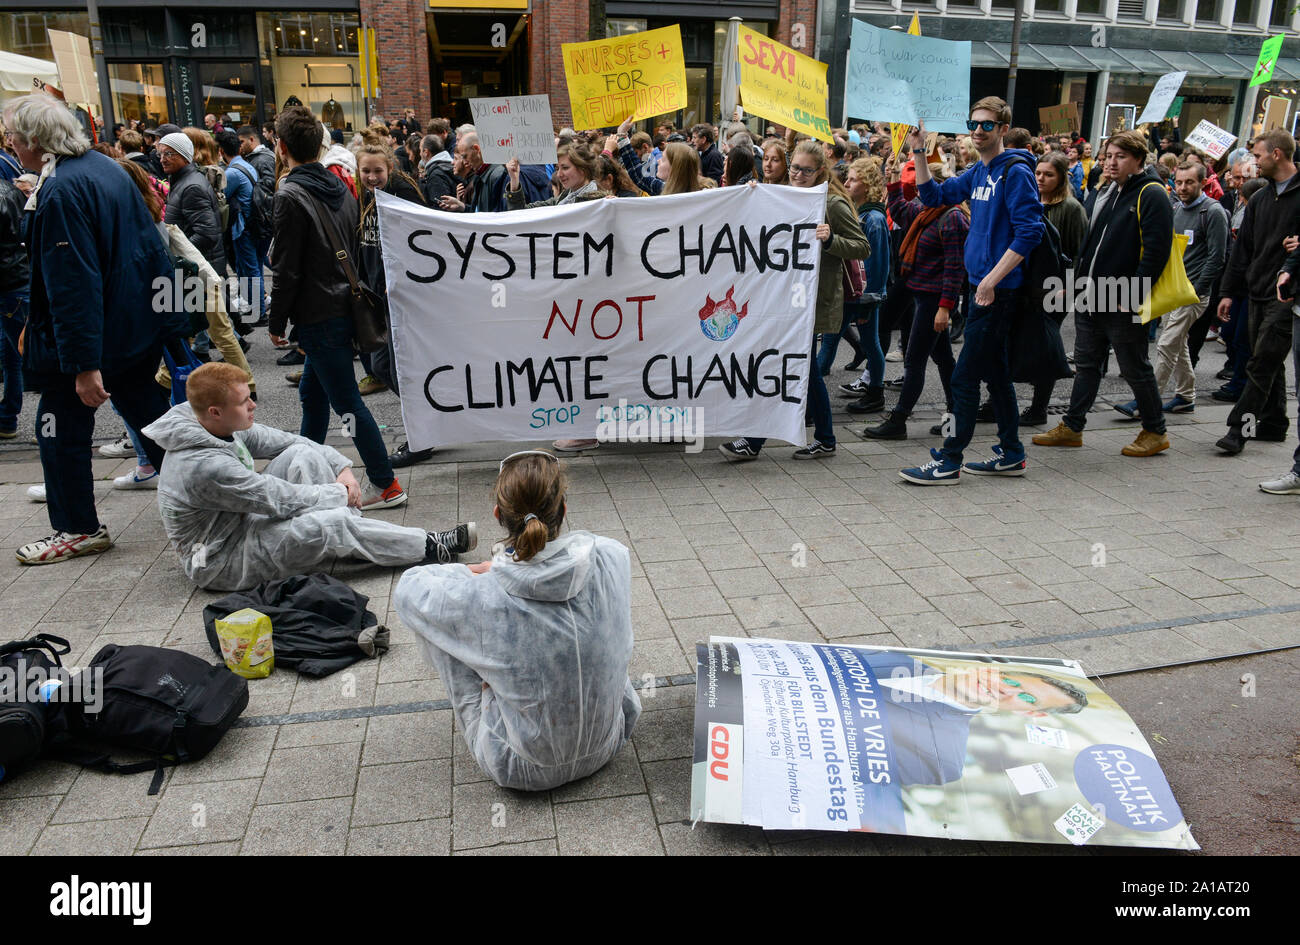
x=246 y=643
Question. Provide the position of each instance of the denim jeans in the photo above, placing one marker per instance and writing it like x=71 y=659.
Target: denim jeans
x=64 y=426
x=1235 y=337
x=867 y=317
x=1094 y=335
x=328 y=381
x=137 y=441
x=248 y=266
x=924 y=344
x=13 y=315
x=819 y=404
x=984 y=357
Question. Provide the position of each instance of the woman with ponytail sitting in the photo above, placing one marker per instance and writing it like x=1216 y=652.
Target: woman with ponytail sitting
x=533 y=645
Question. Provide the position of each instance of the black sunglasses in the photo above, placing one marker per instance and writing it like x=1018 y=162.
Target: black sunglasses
x=985 y=125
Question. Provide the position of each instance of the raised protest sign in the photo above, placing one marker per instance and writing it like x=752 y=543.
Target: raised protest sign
x=805 y=736
x=1269 y=50
x=1059 y=119
x=1211 y=139
x=692 y=311
x=1162 y=96
x=514 y=126
x=782 y=85
x=898 y=78
x=1276 y=109
x=639 y=75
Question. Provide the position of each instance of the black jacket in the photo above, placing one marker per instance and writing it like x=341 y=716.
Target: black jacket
x=263 y=162
x=15 y=270
x=437 y=181
x=1258 y=254
x=370 y=259
x=712 y=163
x=1115 y=239
x=310 y=284
x=192 y=205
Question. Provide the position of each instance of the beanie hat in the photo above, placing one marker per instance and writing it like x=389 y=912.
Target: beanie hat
x=179 y=143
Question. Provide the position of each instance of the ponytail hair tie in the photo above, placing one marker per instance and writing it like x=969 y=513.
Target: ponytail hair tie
x=529 y=518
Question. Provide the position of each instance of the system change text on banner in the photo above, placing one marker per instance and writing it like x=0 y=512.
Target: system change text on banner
x=693 y=312
x=803 y=736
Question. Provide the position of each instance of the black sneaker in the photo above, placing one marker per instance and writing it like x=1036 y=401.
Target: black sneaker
x=293 y=357
x=443 y=547
x=873 y=401
x=1226 y=395
x=893 y=428
x=1232 y=444
x=243 y=345
x=241 y=328
x=403 y=456
x=815 y=450
x=1224 y=375
x=738 y=451
x=1031 y=419
x=895 y=384
x=854 y=389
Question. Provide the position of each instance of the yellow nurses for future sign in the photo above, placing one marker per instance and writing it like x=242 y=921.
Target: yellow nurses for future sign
x=782 y=85
x=639 y=76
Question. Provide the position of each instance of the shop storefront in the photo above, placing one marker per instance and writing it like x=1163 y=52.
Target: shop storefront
x=177 y=65
x=476 y=53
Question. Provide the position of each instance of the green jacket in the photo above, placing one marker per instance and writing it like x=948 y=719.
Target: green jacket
x=847 y=242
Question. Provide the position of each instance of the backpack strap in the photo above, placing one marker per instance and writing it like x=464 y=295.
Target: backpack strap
x=42 y=641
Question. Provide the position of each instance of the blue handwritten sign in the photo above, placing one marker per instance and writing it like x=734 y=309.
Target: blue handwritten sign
x=895 y=77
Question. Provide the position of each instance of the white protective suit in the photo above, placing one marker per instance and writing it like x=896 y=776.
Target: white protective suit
x=235 y=528
x=551 y=638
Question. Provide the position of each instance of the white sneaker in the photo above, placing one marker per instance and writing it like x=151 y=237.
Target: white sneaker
x=136 y=481
x=64 y=545
x=894 y=355
x=118 y=449
x=1287 y=485
x=36 y=493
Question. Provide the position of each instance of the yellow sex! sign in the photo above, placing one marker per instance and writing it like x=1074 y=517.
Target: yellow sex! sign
x=783 y=86
x=641 y=75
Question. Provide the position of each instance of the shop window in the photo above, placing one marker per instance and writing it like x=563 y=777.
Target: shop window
x=139 y=92
x=312 y=61
x=1049 y=6
x=1093 y=8
x=131 y=34
x=1170 y=10
x=1207 y=11
x=621 y=27
x=1243 y=12
x=1281 y=15
x=309 y=34
x=24 y=33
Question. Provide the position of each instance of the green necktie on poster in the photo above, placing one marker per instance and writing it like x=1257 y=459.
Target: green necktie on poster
x=1268 y=54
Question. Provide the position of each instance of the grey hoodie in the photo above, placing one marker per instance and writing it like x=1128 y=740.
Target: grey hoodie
x=551 y=638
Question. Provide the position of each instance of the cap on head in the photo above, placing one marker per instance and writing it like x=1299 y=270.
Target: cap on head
x=179 y=143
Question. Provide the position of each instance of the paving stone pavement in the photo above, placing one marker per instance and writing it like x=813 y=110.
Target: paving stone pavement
x=1121 y=563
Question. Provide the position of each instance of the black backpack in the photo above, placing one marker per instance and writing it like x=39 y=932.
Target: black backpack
x=157 y=700
x=261 y=208
x=1045 y=266
x=29 y=720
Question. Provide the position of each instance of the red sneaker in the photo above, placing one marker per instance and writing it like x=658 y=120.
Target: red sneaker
x=390 y=498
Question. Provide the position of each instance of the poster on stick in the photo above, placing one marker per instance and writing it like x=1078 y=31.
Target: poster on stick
x=782 y=85
x=898 y=78
x=1058 y=119
x=1162 y=96
x=515 y=126
x=925 y=743
x=639 y=75
x=692 y=313
x=1211 y=139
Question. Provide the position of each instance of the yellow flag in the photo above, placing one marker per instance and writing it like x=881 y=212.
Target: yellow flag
x=898 y=132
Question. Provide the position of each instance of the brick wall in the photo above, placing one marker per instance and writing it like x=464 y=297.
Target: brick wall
x=554 y=22
x=402 y=45
x=798 y=11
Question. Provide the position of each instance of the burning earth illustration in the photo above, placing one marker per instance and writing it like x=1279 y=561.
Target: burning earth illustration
x=719 y=320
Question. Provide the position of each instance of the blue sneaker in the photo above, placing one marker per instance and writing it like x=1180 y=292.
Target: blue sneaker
x=1130 y=410
x=998 y=465
x=938 y=472
x=1180 y=404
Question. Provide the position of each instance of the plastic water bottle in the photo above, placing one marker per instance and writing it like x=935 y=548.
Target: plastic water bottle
x=49 y=688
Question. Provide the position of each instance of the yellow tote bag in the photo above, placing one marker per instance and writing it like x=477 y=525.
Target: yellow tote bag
x=1173 y=289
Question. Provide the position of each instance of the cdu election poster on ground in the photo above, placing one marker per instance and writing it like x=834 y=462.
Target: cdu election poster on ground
x=898 y=78
x=693 y=312
x=925 y=743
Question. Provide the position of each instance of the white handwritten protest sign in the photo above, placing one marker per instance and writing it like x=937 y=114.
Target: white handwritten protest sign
x=1162 y=96
x=898 y=78
x=1211 y=139
x=550 y=322
x=515 y=126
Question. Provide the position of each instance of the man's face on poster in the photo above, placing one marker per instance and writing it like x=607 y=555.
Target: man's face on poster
x=995 y=690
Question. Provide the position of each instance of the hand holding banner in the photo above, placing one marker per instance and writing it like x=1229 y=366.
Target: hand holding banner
x=782 y=85
x=636 y=76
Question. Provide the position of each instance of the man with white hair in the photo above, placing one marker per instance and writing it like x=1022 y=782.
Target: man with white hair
x=485 y=184
x=92 y=332
x=192 y=203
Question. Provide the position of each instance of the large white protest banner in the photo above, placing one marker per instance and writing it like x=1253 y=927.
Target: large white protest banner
x=514 y=126
x=898 y=78
x=1162 y=96
x=692 y=313
x=808 y=736
x=1211 y=139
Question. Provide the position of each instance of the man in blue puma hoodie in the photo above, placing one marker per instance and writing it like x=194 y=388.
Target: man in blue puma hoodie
x=1006 y=224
